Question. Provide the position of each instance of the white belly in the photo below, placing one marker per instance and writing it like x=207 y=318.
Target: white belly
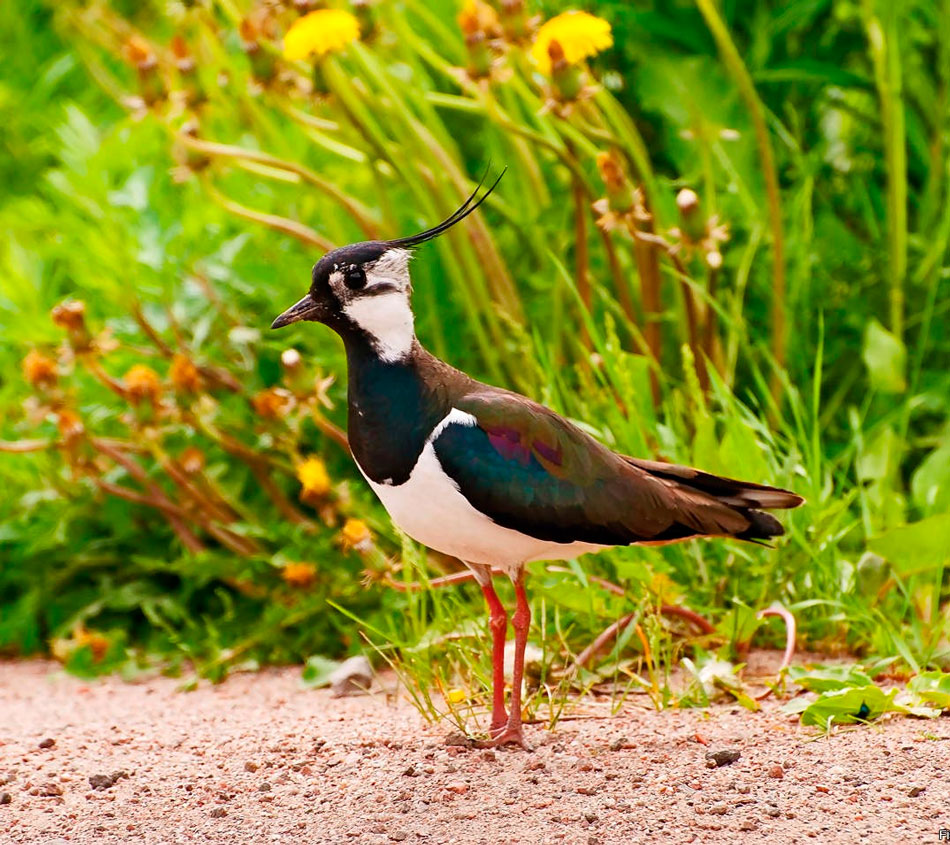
x=430 y=508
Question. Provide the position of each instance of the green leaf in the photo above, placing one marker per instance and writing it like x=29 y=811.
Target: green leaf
x=930 y=483
x=849 y=706
x=885 y=357
x=933 y=688
x=915 y=548
x=316 y=672
x=828 y=678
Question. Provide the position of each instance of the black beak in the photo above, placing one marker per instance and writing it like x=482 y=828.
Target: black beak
x=305 y=309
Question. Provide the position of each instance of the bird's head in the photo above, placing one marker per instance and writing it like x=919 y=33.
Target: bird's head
x=365 y=288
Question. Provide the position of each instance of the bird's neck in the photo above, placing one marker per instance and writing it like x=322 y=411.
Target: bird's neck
x=393 y=407
x=386 y=322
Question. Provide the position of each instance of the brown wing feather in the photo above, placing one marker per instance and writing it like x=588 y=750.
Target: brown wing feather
x=534 y=471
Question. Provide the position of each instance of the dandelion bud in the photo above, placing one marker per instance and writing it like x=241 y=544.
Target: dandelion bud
x=363 y=9
x=263 y=62
x=692 y=223
x=185 y=64
x=567 y=79
x=138 y=53
x=39 y=369
x=620 y=198
x=291 y=360
x=142 y=384
x=514 y=21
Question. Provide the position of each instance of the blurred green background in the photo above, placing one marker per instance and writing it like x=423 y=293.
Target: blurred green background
x=176 y=488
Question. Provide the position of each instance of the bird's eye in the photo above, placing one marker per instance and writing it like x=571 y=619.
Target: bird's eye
x=355 y=278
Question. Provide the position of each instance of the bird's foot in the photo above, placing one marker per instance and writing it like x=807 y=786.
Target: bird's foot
x=507 y=735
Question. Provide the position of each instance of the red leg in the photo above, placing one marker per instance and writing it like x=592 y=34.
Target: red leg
x=498 y=621
x=512 y=732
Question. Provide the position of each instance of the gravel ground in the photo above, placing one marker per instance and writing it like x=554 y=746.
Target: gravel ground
x=258 y=759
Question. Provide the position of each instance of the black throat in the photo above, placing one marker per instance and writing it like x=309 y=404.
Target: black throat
x=393 y=407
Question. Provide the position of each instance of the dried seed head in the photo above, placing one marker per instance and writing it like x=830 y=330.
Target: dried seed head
x=273 y=403
x=70 y=315
x=69 y=425
x=184 y=61
x=192 y=460
x=138 y=52
x=143 y=383
x=39 y=369
x=184 y=375
x=299 y=575
x=356 y=534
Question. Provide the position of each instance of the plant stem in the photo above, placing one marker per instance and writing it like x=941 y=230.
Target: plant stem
x=884 y=47
x=733 y=61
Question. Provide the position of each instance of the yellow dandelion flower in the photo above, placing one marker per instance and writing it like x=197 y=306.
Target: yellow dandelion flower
x=456 y=696
x=320 y=32
x=299 y=574
x=313 y=477
x=477 y=16
x=579 y=34
x=356 y=532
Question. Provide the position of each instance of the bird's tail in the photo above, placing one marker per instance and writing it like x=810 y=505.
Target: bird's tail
x=747 y=498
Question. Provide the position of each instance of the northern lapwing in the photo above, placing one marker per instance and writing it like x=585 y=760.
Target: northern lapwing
x=487 y=475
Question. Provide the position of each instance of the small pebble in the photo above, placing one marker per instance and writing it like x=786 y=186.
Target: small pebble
x=351 y=677
x=49 y=742
x=720 y=808
x=5 y=797
x=264 y=787
x=916 y=790
x=250 y=766
x=218 y=813
x=722 y=757
x=776 y=771
x=398 y=836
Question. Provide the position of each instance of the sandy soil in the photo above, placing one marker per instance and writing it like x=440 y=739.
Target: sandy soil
x=259 y=760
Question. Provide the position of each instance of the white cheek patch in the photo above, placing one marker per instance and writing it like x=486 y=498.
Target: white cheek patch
x=387 y=319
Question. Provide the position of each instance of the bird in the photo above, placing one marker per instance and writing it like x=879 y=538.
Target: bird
x=487 y=475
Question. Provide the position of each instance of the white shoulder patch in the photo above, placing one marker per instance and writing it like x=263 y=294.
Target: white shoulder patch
x=456 y=417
